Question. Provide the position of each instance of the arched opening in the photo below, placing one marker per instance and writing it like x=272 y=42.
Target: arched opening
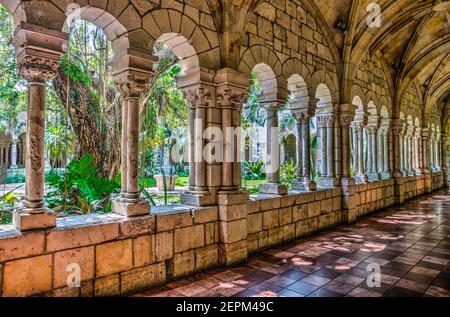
x=167 y=126
x=322 y=141
x=384 y=144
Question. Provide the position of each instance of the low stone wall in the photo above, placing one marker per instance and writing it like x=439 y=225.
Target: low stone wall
x=274 y=220
x=374 y=196
x=119 y=255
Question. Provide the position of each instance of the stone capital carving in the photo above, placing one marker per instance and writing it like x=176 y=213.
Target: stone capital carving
x=198 y=97
x=346 y=119
x=371 y=129
x=326 y=120
x=37 y=69
x=227 y=98
x=357 y=125
x=302 y=116
x=131 y=89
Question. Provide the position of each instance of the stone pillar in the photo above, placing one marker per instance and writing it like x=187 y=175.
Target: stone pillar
x=303 y=117
x=325 y=126
x=385 y=173
x=14 y=153
x=130 y=202
x=437 y=155
x=409 y=151
x=38 y=51
x=231 y=91
x=426 y=165
x=444 y=166
x=200 y=100
x=358 y=159
x=372 y=152
x=348 y=186
x=397 y=128
x=131 y=74
x=273 y=185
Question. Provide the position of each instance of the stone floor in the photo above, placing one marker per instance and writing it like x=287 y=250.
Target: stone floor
x=410 y=243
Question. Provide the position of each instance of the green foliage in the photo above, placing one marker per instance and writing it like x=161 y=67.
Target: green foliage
x=252 y=114
x=252 y=170
x=75 y=72
x=80 y=189
x=58 y=141
x=288 y=173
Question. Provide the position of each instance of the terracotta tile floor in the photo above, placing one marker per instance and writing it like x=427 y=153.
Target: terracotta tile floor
x=411 y=244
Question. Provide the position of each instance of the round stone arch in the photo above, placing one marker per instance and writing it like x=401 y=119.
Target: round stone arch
x=358 y=91
x=321 y=78
x=360 y=111
x=158 y=23
x=385 y=107
x=373 y=100
x=265 y=63
x=295 y=71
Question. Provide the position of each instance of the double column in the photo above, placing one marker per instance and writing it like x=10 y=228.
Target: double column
x=357 y=128
x=37 y=66
x=409 y=151
x=303 y=118
x=373 y=150
x=131 y=83
x=273 y=185
x=325 y=128
x=397 y=132
x=384 y=167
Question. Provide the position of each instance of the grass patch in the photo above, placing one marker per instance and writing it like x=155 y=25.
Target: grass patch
x=151 y=182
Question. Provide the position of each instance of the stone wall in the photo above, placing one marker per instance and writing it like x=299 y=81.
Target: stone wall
x=119 y=255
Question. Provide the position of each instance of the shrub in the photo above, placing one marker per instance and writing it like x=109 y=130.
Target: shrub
x=252 y=170
x=288 y=173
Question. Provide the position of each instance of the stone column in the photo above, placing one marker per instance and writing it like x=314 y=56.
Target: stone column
x=231 y=91
x=325 y=125
x=372 y=153
x=33 y=214
x=345 y=119
x=385 y=173
x=417 y=151
x=130 y=202
x=358 y=137
x=426 y=165
x=397 y=128
x=444 y=166
x=200 y=99
x=437 y=155
x=410 y=153
x=303 y=117
x=14 y=153
x=273 y=185
x=38 y=51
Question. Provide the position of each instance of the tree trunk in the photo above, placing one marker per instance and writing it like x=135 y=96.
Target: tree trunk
x=97 y=135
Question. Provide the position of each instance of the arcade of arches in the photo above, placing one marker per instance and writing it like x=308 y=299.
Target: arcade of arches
x=379 y=96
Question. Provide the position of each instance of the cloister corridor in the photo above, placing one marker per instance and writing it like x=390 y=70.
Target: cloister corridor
x=411 y=244
x=224 y=148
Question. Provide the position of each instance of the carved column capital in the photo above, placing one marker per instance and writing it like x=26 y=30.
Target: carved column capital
x=346 y=119
x=198 y=97
x=326 y=120
x=357 y=125
x=37 y=69
x=229 y=98
x=131 y=89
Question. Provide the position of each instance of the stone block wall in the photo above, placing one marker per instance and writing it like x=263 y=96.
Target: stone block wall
x=119 y=255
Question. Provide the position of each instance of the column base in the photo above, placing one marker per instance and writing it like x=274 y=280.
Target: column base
x=373 y=177
x=24 y=219
x=131 y=209
x=199 y=199
x=273 y=188
x=327 y=182
x=410 y=173
x=304 y=185
x=361 y=179
x=385 y=175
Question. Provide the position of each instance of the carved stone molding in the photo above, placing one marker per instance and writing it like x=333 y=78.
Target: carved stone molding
x=302 y=115
x=357 y=125
x=346 y=119
x=37 y=69
x=198 y=97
